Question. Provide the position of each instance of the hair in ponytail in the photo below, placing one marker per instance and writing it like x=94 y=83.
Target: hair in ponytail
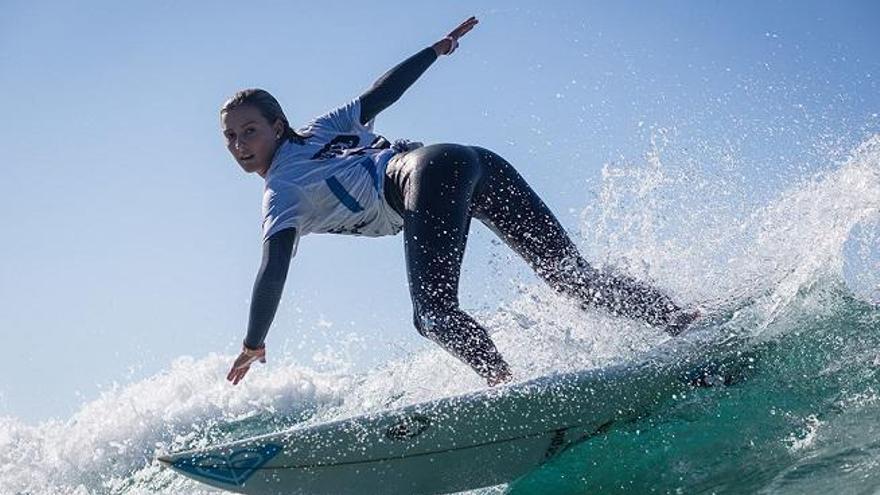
x=268 y=107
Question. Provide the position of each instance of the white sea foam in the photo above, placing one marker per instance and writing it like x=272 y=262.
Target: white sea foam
x=118 y=434
x=713 y=253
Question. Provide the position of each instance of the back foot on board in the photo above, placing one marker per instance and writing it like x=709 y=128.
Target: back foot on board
x=681 y=321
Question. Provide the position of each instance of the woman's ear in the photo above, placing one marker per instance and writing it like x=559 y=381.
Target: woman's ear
x=278 y=127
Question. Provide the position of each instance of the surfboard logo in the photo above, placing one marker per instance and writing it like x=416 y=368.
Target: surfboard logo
x=556 y=444
x=408 y=427
x=233 y=468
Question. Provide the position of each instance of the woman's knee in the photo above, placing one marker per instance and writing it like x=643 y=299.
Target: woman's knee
x=423 y=324
x=430 y=321
x=426 y=324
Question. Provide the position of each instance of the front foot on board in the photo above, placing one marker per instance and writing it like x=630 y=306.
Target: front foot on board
x=499 y=375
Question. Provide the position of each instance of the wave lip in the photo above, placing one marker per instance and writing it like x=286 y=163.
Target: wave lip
x=111 y=442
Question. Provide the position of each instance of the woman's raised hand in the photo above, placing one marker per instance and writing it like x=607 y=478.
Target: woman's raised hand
x=448 y=44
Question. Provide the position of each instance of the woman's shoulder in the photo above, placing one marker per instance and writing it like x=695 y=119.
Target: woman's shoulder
x=281 y=189
x=293 y=150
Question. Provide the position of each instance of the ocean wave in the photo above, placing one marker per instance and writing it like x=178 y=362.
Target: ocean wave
x=801 y=415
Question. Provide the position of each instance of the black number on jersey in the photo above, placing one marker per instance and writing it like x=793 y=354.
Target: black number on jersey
x=338 y=146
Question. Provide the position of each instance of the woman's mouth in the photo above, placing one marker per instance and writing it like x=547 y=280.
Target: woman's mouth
x=245 y=158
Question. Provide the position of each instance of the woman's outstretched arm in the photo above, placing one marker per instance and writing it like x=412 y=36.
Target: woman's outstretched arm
x=391 y=86
x=268 y=287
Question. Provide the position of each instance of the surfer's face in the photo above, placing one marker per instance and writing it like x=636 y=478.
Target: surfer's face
x=250 y=138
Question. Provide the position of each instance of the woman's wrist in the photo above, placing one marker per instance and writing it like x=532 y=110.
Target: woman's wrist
x=247 y=349
x=445 y=46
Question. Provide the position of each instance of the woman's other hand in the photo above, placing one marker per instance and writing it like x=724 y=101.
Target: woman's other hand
x=448 y=44
x=243 y=363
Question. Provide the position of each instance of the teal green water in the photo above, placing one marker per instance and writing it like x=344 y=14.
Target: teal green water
x=799 y=414
x=803 y=417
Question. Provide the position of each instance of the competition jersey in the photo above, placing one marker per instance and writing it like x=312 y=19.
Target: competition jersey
x=333 y=182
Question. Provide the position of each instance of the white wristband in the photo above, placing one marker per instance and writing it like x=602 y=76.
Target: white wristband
x=454 y=44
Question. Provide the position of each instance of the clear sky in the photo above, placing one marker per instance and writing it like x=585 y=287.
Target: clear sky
x=129 y=236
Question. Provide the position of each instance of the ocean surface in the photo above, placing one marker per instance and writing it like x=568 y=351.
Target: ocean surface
x=802 y=416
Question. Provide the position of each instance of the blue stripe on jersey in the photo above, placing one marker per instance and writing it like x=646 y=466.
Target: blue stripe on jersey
x=370 y=165
x=343 y=196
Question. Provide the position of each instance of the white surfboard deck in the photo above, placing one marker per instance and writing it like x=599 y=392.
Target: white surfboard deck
x=457 y=443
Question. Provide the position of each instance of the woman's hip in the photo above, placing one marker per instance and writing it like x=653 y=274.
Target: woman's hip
x=452 y=170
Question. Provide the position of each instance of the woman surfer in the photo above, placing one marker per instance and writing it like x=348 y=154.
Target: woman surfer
x=335 y=175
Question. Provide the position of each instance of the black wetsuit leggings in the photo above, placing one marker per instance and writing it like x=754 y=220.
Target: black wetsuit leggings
x=437 y=189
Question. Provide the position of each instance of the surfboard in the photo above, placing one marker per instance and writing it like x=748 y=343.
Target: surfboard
x=457 y=443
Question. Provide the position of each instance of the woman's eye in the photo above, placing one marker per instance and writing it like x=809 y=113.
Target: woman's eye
x=249 y=130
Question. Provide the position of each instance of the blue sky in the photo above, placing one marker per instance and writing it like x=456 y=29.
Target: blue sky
x=130 y=237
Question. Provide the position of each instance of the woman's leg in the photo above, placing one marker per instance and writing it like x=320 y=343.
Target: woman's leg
x=509 y=206
x=437 y=185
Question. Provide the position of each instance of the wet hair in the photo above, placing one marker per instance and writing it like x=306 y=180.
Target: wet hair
x=268 y=107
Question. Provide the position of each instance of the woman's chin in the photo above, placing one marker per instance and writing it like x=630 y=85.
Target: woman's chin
x=252 y=167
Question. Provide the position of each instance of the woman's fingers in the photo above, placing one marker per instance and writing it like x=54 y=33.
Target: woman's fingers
x=239 y=368
x=242 y=364
x=464 y=27
x=235 y=374
x=241 y=374
x=238 y=374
